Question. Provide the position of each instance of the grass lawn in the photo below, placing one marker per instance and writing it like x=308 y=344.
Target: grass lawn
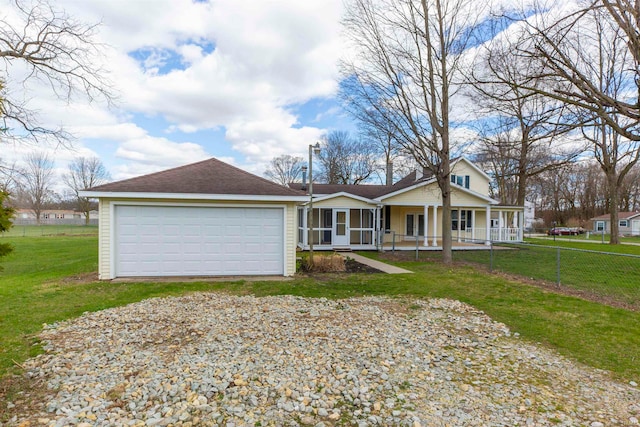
x=615 y=276
x=595 y=238
x=38 y=286
x=580 y=243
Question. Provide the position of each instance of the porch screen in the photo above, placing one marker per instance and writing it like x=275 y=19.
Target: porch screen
x=361 y=224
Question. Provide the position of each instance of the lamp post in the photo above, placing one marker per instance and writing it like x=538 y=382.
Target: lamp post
x=312 y=149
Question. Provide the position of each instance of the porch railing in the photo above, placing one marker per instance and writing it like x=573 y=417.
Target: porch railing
x=503 y=234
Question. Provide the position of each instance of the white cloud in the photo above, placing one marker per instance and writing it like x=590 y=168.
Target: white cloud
x=148 y=154
x=190 y=66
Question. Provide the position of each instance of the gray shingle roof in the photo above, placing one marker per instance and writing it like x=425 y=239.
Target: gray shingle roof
x=206 y=177
x=621 y=215
x=364 y=190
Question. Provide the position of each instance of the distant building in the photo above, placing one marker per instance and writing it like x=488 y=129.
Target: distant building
x=628 y=223
x=529 y=214
x=54 y=217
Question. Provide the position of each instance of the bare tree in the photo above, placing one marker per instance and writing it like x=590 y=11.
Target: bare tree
x=523 y=133
x=405 y=72
x=84 y=173
x=589 y=59
x=285 y=169
x=344 y=160
x=36 y=182
x=630 y=191
x=8 y=177
x=56 y=50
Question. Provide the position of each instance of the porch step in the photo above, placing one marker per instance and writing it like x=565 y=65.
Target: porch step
x=342 y=249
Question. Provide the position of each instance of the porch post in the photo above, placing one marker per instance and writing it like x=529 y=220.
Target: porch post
x=473 y=225
x=435 y=225
x=305 y=237
x=459 y=223
x=374 y=237
x=488 y=227
x=520 y=226
x=426 y=225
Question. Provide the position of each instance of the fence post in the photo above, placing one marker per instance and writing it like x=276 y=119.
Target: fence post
x=417 y=244
x=393 y=245
x=491 y=256
x=558 y=266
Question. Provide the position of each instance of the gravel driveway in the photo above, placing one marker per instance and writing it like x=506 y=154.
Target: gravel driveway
x=213 y=359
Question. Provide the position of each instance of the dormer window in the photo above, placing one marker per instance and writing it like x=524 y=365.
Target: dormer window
x=461 y=180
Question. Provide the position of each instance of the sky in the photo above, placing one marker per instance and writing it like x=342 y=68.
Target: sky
x=240 y=80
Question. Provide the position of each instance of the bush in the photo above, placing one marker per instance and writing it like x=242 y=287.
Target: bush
x=332 y=263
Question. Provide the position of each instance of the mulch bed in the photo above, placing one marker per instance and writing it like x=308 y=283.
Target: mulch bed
x=354 y=266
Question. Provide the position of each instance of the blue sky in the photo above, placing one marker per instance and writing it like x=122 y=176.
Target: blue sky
x=240 y=80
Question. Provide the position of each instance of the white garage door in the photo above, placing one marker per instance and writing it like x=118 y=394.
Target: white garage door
x=198 y=241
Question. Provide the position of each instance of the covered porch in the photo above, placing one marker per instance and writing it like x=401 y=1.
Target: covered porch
x=355 y=228
x=405 y=225
x=411 y=226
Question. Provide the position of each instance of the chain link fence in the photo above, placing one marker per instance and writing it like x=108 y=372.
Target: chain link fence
x=607 y=277
x=50 y=230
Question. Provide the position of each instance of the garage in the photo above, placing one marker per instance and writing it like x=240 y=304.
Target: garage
x=198 y=241
x=202 y=219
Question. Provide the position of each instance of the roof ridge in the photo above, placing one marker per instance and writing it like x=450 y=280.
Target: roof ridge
x=255 y=176
x=156 y=173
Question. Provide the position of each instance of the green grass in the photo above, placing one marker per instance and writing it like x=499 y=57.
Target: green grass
x=594 y=238
x=614 y=275
x=35 y=289
x=586 y=245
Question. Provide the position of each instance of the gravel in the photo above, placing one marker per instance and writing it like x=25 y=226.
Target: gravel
x=212 y=359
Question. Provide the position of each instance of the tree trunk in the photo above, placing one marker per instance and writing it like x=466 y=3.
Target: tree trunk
x=445 y=187
x=86 y=218
x=522 y=172
x=612 y=180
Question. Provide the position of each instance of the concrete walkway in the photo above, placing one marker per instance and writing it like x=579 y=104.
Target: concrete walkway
x=378 y=265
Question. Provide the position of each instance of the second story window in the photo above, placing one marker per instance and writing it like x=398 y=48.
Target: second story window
x=461 y=180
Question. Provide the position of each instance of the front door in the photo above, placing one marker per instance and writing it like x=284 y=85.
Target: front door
x=341 y=227
x=635 y=227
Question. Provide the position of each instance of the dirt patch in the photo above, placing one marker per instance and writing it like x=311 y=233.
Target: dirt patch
x=20 y=395
x=354 y=266
x=78 y=279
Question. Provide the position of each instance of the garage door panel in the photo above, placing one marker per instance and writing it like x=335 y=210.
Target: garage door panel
x=175 y=241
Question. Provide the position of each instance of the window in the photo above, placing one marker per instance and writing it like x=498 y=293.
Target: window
x=301 y=229
x=623 y=223
x=387 y=218
x=362 y=226
x=599 y=225
x=415 y=223
x=462 y=181
x=465 y=219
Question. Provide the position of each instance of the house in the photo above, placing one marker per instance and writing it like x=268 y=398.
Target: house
x=212 y=219
x=204 y=219
x=628 y=223
x=53 y=217
x=407 y=214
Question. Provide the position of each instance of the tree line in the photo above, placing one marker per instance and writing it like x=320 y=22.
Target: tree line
x=32 y=185
x=530 y=90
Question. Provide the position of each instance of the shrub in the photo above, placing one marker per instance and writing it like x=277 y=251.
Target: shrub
x=332 y=263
